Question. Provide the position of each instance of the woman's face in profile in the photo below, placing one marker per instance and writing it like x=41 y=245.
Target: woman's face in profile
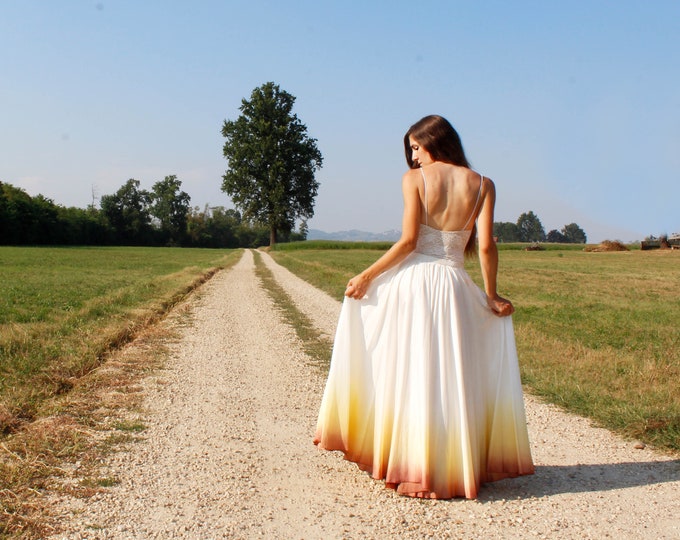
x=419 y=155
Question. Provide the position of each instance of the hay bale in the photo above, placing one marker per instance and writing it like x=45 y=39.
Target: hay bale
x=608 y=245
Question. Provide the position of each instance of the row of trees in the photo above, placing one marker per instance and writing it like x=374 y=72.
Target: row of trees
x=530 y=229
x=130 y=216
x=270 y=178
x=163 y=216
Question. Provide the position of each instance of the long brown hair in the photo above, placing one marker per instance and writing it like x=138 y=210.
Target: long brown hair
x=437 y=136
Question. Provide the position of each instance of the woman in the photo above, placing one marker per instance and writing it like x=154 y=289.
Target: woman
x=424 y=388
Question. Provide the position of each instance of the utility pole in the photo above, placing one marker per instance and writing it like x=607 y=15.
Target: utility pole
x=95 y=196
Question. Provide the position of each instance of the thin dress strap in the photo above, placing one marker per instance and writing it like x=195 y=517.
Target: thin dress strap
x=474 y=208
x=427 y=211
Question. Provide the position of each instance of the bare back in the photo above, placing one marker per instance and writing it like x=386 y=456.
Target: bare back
x=450 y=196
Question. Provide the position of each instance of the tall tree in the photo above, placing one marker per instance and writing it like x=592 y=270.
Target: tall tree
x=530 y=228
x=127 y=211
x=272 y=161
x=171 y=207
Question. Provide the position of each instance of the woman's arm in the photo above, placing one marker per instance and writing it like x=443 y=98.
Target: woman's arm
x=488 y=254
x=357 y=286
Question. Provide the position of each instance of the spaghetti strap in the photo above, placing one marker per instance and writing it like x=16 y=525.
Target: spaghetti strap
x=427 y=210
x=474 y=208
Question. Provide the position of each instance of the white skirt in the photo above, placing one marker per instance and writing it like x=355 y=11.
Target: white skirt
x=424 y=388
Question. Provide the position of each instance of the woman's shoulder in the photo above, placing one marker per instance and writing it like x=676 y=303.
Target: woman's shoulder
x=442 y=169
x=411 y=177
x=476 y=178
x=473 y=182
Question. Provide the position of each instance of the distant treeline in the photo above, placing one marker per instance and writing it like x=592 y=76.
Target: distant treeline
x=530 y=229
x=131 y=217
x=164 y=217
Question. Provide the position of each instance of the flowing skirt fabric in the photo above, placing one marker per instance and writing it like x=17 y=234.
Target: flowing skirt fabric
x=424 y=388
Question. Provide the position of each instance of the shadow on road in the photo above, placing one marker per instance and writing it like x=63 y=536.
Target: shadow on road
x=555 y=479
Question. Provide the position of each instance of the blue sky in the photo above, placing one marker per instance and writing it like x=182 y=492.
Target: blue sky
x=572 y=108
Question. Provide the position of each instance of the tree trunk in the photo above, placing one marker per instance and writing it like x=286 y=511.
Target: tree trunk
x=272 y=236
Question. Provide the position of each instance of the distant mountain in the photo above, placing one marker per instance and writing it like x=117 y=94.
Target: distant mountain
x=354 y=236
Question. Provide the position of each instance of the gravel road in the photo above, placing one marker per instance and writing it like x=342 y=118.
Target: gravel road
x=228 y=451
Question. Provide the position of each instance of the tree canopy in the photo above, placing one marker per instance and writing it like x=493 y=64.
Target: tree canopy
x=574 y=234
x=171 y=207
x=556 y=237
x=506 y=231
x=530 y=228
x=127 y=212
x=271 y=161
x=130 y=216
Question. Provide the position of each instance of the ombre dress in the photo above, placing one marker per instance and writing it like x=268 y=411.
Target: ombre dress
x=423 y=389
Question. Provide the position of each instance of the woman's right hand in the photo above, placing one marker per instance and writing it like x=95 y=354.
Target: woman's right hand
x=500 y=306
x=357 y=286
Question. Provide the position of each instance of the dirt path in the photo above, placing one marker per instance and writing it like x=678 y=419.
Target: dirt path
x=228 y=451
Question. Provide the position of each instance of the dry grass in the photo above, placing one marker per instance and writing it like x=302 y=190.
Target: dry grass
x=58 y=455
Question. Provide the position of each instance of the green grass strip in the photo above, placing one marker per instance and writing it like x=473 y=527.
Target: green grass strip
x=314 y=343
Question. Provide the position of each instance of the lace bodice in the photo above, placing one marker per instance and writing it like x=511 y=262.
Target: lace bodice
x=448 y=245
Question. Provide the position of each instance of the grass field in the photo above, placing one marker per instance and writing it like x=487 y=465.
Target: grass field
x=597 y=333
x=61 y=309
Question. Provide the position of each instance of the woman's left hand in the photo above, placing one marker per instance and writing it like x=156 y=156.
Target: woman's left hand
x=357 y=287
